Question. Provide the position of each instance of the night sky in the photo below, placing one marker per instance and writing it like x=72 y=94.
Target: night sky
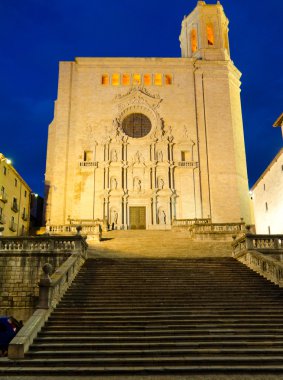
x=37 y=34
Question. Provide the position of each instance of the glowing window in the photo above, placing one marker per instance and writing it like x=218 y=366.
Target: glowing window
x=194 y=42
x=147 y=79
x=168 y=79
x=210 y=34
x=137 y=79
x=126 y=79
x=115 y=79
x=105 y=79
x=158 y=79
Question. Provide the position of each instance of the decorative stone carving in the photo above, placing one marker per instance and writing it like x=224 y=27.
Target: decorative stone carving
x=113 y=183
x=162 y=216
x=137 y=184
x=114 y=155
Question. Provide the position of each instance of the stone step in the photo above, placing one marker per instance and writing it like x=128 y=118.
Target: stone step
x=92 y=352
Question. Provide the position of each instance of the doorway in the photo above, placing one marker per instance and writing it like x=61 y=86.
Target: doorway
x=137 y=218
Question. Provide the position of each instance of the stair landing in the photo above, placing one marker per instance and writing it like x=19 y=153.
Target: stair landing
x=156 y=244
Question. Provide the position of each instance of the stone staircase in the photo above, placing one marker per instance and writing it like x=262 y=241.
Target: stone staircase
x=186 y=316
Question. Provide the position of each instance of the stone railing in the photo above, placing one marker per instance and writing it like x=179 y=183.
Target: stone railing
x=90 y=229
x=258 y=252
x=219 y=228
x=217 y=231
x=188 y=222
x=51 y=290
x=262 y=243
x=88 y=164
x=187 y=164
x=41 y=244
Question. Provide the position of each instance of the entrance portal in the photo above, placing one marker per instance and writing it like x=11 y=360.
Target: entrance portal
x=137 y=218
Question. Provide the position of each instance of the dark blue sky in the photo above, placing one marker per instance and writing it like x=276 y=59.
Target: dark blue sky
x=37 y=34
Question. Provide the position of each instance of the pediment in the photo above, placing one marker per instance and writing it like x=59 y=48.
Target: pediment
x=138 y=95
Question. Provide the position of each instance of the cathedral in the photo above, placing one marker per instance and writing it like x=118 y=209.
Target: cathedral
x=140 y=142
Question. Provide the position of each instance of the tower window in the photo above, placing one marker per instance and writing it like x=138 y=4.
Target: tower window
x=115 y=79
x=168 y=79
x=266 y=206
x=194 y=42
x=158 y=79
x=210 y=34
x=147 y=79
x=105 y=79
x=137 y=79
x=4 y=170
x=126 y=79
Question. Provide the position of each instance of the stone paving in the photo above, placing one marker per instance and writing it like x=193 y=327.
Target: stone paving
x=154 y=244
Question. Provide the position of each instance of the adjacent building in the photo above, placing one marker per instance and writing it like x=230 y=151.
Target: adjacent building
x=267 y=194
x=14 y=201
x=139 y=142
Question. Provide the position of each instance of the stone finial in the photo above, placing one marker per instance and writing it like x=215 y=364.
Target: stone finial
x=79 y=228
x=47 y=270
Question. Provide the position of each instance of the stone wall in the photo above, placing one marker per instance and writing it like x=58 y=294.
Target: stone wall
x=21 y=262
x=19 y=276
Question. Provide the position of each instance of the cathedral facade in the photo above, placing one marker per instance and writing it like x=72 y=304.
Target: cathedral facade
x=139 y=142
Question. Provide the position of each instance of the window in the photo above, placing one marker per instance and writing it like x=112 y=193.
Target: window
x=266 y=206
x=137 y=79
x=282 y=168
x=158 y=79
x=16 y=182
x=25 y=194
x=105 y=79
x=115 y=79
x=264 y=187
x=136 y=125
x=4 y=170
x=194 y=42
x=147 y=79
x=269 y=230
x=185 y=155
x=168 y=79
x=88 y=155
x=126 y=79
x=210 y=34
x=15 y=205
x=2 y=190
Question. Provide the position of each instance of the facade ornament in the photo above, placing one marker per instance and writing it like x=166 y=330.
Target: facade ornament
x=137 y=184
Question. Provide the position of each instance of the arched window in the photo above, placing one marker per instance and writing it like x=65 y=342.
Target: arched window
x=210 y=34
x=194 y=41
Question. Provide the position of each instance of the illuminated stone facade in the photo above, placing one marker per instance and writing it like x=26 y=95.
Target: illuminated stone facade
x=138 y=142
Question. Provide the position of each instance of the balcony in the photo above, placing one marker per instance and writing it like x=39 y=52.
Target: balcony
x=13 y=226
x=88 y=164
x=3 y=196
x=188 y=164
x=2 y=219
x=15 y=207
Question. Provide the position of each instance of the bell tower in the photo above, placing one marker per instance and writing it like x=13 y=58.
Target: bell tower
x=204 y=33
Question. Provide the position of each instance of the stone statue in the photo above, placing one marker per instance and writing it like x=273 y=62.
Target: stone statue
x=137 y=184
x=161 y=183
x=114 y=155
x=114 y=183
x=162 y=217
x=160 y=156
